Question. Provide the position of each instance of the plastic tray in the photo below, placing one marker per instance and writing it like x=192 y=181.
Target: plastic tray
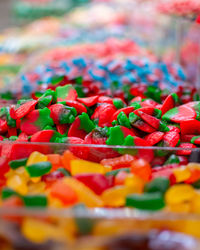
x=103 y=227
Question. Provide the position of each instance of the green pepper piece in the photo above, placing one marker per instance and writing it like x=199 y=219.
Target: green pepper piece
x=85 y=123
x=116 y=136
x=160 y=184
x=133 y=118
x=146 y=201
x=35 y=200
x=7 y=193
x=84 y=225
x=172 y=159
x=118 y=103
x=39 y=169
x=123 y=120
x=115 y=172
x=136 y=105
x=64 y=171
x=18 y=163
x=44 y=101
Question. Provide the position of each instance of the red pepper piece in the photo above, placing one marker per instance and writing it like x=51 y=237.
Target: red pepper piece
x=97 y=154
x=62 y=128
x=149 y=103
x=152 y=121
x=12 y=131
x=42 y=136
x=75 y=131
x=136 y=99
x=154 y=137
x=80 y=152
x=191 y=126
x=80 y=108
x=123 y=161
x=185 y=148
x=4 y=167
x=89 y=101
x=146 y=154
x=3 y=126
x=126 y=110
x=23 y=137
x=97 y=182
x=126 y=131
x=144 y=126
x=158 y=161
x=105 y=99
x=173 y=129
x=146 y=110
x=24 y=109
x=171 y=139
x=103 y=114
x=168 y=104
x=186 y=138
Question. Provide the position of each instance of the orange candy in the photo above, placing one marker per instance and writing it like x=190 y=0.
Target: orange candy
x=123 y=161
x=55 y=160
x=142 y=169
x=66 y=158
x=60 y=190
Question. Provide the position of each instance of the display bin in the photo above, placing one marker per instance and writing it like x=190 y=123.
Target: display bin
x=97 y=228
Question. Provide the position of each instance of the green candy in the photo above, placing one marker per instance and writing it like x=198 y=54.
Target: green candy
x=85 y=123
x=146 y=201
x=44 y=101
x=115 y=172
x=39 y=169
x=172 y=159
x=123 y=120
x=44 y=118
x=68 y=116
x=18 y=163
x=116 y=136
x=84 y=225
x=64 y=171
x=64 y=91
x=160 y=184
x=136 y=105
x=50 y=92
x=133 y=118
x=118 y=103
x=35 y=200
x=7 y=193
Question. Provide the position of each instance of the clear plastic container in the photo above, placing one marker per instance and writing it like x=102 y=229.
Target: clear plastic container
x=96 y=228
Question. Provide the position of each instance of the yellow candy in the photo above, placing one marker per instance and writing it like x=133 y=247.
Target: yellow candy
x=195 y=204
x=135 y=183
x=179 y=193
x=184 y=207
x=181 y=174
x=35 y=188
x=85 y=194
x=116 y=196
x=39 y=231
x=18 y=183
x=36 y=157
x=81 y=166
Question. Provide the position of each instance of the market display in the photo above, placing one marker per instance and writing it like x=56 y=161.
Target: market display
x=100 y=128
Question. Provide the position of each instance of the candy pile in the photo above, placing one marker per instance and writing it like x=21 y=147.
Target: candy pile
x=180 y=7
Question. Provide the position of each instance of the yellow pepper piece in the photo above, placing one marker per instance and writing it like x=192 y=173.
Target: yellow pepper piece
x=135 y=183
x=35 y=188
x=39 y=231
x=181 y=174
x=184 y=207
x=116 y=196
x=83 y=167
x=18 y=183
x=179 y=193
x=85 y=194
x=36 y=157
